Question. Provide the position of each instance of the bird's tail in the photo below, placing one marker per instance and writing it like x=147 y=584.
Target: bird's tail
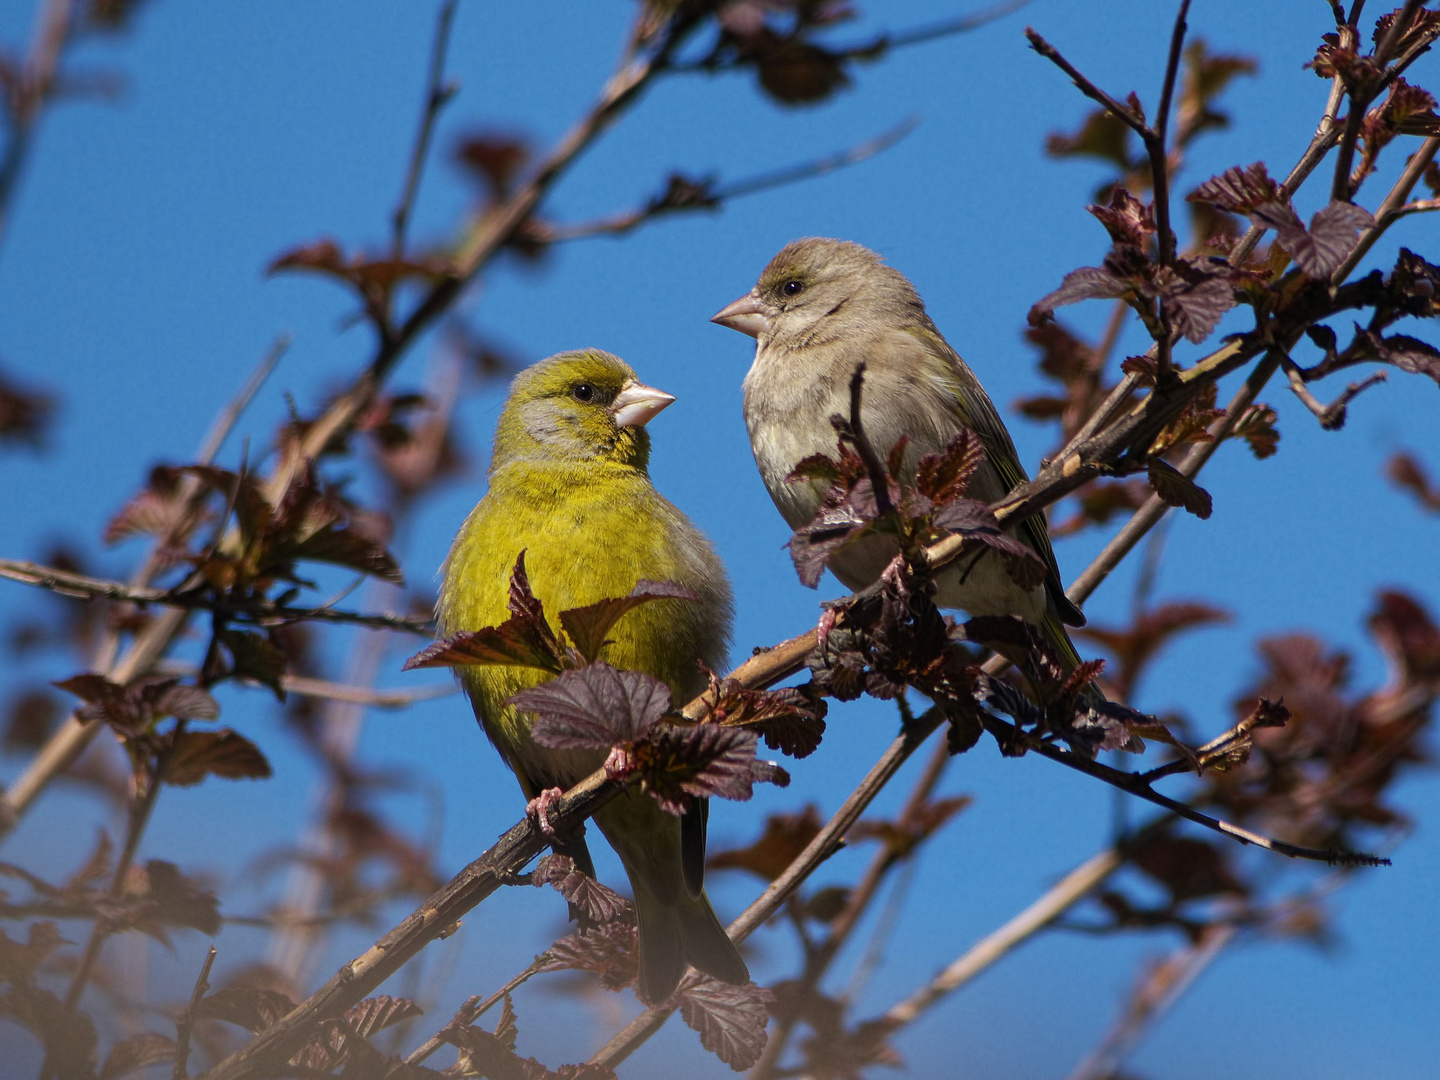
x=675 y=932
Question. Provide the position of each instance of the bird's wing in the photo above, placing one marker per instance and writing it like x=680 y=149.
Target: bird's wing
x=979 y=414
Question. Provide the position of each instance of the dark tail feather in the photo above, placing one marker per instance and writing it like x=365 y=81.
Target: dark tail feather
x=682 y=932
x=692 y=846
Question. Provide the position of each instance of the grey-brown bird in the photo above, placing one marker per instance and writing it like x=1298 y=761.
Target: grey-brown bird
x=820 y=308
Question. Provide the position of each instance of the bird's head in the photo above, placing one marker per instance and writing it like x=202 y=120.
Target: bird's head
x=817 y=290
x=578 y=406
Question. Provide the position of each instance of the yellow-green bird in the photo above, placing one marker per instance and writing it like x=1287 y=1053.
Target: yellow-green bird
x=820 y=308
x=569 y=486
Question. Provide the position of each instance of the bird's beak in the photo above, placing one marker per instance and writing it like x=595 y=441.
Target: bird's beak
x=637 y=404
x=750 y=315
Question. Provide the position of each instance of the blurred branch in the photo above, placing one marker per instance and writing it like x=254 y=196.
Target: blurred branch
x=1067 y=892
x=265 y=1053
x=1163 y=985
x=365 y=695
x=819 y=958
x=681 y=195
x=37 y=78
x=824 y=844
x=66 y=744
x=257 y=611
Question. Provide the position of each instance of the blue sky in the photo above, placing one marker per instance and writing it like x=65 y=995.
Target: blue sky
x=132 y=287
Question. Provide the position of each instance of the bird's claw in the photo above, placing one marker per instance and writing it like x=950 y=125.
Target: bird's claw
x=539 y=808
x=828 y=617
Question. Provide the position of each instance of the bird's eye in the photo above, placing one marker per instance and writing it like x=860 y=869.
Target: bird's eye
x=583 y=392
x=792 y=287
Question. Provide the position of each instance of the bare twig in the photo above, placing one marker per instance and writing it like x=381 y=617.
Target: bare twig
x=142 y=805
x=185 y=1024
x=365 y=695
x=1118 y=110
x=1155 y=143
x=673 y=200
x=1332 y=416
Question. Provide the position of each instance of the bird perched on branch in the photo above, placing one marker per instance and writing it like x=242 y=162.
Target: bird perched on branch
x=821 y=308
x=569 y=487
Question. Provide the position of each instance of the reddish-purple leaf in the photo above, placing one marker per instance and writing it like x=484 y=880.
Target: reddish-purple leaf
x=518 y=640
x=137 y=1052
x=587 y=626
x=245 y=1006
x=1332 y=236
x=945 y=476
x=592 y=899
x=1238 y=189
x=1177 y=489
x=731 y=1020
x=377 y=1013
x=1086 y=283
x=594 y=707
x=224 y=753
x=1126 y=219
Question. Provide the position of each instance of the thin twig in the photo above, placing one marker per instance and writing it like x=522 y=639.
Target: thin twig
x=1155 y=144
x=1332 y=416
x=1118 y=110
x=437 y=96
x=257 y=610
x=1135 y=784
x=142 y=805
x=185 y=1024
x=475 y=1007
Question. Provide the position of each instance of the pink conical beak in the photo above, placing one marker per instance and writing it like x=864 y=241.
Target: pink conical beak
x=637 y=404
x=749 y=315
